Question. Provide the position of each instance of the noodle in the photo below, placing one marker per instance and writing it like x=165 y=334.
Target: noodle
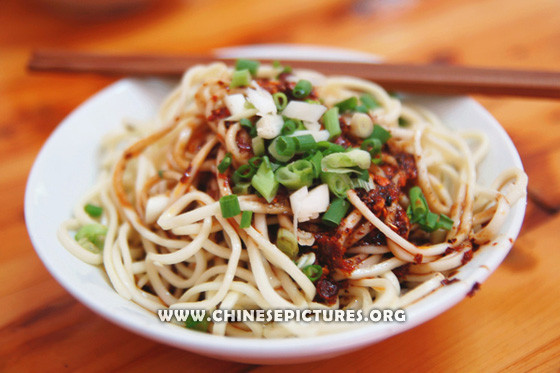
x=167 y=244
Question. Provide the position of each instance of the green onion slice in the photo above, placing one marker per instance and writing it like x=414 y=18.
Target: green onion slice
x=257 y=144
x=369 y=101
x=289 y=127
x=296 y=175
x=93 y=210
x=338 y=184
x=252 y=66
x=305 y=143
x=264 y=181
x=313 y=272
x=230 y=206
x=91 y=236
x=302 y=89
x=280 y=100
x=344 y=162
x=225 y=163
x=347 y=105
x=240 y=78
x=331 y=122
x=287 y=243
x=372 y=146
x=246 y=218
x=380 y=133
x=242 y=188
x=201 y=325
x=282 y=148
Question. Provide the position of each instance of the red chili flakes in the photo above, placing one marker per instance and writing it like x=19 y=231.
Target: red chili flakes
x=474 y=289
x=418 y=258
x=467 y=256
x=327 y=290
x=447 y=281
x=218 y=114
x=381 y=181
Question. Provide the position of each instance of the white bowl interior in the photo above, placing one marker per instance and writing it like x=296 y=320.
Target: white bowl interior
x=67 y=165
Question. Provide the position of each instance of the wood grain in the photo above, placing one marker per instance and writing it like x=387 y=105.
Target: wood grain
x=511 y=324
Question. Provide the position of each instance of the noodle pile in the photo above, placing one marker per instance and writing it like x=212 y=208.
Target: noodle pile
x=165 y=242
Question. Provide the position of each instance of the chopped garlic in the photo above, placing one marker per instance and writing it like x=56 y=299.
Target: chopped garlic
x=304 y=111
x=269 y=126
x=307 y=205
x=262 y=101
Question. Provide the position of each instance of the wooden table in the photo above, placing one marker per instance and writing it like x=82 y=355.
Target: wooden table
x=512 y=323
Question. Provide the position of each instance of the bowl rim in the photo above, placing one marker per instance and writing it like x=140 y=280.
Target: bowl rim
x=290 y=348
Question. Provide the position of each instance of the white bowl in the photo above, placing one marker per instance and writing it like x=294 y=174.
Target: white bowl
x=66 y=167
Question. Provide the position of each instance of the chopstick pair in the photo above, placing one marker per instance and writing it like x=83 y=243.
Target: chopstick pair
x=437 y=79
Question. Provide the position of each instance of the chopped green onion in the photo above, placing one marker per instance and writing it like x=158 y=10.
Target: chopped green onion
x=344 y=162
x=418 y=202
x=287 y=243
x=329 y=147
x=225 y=163
x=330 y=120
x=418 y=212
x=361 y=109
x=380 y=133
x=302 y=89
x=338 y=184
x=93 y=211
x=403 y=122
x=240 y=78
x=431 y=220
x=289 y=127
x=91 y=234
x=299 y=124
x=243 y=173
x=347 y=105
x=445 y=222
x=337 y=210
x=246 y=218
x=242 y=188
x=280 y=100
x=252 y=66
x=361 y=184
x=247 y=124
x=201 y=325
x=282 y=149
x=264 y=181
x=230 y=206
x=160 y=173
x=372 y=146
x=258 y=145
x=285 y=69
x=295 y=175
x=315 y=160
x=313 y=272
x=369 y=101
x=255 y=162
x=286 y=146
x=304 y=143
x=364 y=175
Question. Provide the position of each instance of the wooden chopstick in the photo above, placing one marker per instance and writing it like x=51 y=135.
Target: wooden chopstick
x=439 y=79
